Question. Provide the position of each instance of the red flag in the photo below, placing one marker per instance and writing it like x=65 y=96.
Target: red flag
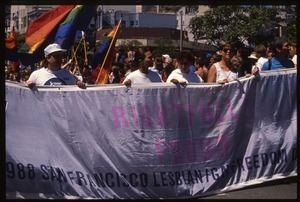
x=11 y=41
x=100 y=75
x=40 y=29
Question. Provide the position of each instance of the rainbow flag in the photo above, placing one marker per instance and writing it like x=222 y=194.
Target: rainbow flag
x=103 y=57
x=78 y=19
x=42 y=27
x=11 y=40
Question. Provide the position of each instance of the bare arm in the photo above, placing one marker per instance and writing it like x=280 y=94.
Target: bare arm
x=211 y=78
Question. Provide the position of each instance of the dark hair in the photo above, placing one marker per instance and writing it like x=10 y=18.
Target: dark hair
x=185 y=54
x=227 y=45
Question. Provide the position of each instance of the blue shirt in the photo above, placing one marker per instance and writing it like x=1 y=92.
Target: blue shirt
x=275 y=64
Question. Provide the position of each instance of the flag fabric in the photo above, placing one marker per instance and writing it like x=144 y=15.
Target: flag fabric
x=11 y=46
x=41 y=28
x=103 y=57
x=78 y=19
x=11 y=41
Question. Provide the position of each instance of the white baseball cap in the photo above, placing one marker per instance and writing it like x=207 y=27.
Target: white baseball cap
x=53 y=48
x=166 y=56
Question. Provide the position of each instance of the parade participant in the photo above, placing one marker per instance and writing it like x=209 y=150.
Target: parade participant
x=293 y=53
x=184 y=75
x=143 y=74
x=222 y=72
x=53 y=74
x=280 y=56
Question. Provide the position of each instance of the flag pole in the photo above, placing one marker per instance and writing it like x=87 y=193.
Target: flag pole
x=110 y=46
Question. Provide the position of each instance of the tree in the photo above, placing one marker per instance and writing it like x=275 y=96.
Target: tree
x=235 y=24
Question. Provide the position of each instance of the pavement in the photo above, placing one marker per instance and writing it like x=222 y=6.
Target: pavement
x=277 y=189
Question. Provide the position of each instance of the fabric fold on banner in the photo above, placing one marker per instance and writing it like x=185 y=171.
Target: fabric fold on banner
x=103 y=57
x=78 y=19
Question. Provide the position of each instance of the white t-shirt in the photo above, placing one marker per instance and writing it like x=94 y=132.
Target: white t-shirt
x=260 y=62
x=294 y=59
x=191 y=77
x=138 y=77
x=46 y=77
x=222 y=74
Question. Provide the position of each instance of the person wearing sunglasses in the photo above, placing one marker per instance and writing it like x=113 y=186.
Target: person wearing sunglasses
x=280 y=56
x=53 y=74
x=223 y=71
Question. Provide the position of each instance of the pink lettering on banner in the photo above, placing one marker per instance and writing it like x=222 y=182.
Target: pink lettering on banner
x=119 y=113
x=175 y=149
x=185 y=116
x=134 y=116
x=146 y=117
x=191 y=150
x=161 y=149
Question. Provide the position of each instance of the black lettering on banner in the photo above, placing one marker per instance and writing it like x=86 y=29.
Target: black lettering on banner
x=118 y=179
x=112 y=184
x=282 y=156
x=224 y=170
x=163 y=178
x=44 y=169
x=198 y=175
x=207 y=174
x=99 y=179
x=31 y=173
x=124 y=181
x=171 y=177
x=177 y=178
x=61 y=176
x=214 y=175
x=53 y=173
x=133 y=182
x=71 y=176
x=190 y=177
x=248 y=162
x=255 y=161
x=264 y=159
x=273 y=158
x=144 y=179
x=20 y=170
x=10 y=170
x=80 y=178
x=240 y=164
x=155 y=180
x=90 y=180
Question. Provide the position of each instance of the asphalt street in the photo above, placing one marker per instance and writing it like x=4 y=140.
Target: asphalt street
x=277 y=189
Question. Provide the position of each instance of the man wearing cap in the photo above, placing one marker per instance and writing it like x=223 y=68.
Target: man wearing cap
x=53 y=74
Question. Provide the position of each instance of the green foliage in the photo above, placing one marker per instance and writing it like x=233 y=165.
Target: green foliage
x=232 y=24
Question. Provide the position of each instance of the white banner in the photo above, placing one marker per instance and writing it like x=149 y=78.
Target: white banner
x=150 y=141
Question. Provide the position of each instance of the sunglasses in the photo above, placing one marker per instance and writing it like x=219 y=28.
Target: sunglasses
x=226 y=49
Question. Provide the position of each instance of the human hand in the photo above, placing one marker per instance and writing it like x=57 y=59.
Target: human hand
x=255 y=71
x=80 y=84
x=128 y=82
x=30 y=84
x=223 y=81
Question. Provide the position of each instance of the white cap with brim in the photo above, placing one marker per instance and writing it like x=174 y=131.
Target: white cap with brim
x=166 y=56
x=53 y=48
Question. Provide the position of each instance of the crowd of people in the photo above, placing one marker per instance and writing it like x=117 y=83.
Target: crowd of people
x=141 y=66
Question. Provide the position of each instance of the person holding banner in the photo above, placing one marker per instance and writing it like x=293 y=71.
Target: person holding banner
x=143 y=74
x=222 y=72
x=183 y=74
x=53 y=74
